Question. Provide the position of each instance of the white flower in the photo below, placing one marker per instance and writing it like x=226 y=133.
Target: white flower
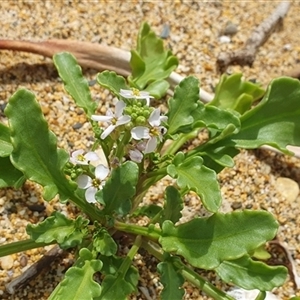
x=114 y=120
x=92 y=186
x=77 y=157
x=136 y=94
x=151 y=134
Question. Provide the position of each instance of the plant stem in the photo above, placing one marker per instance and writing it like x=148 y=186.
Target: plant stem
x=21 y=246
x=150 y=232
x=128 y=260
x=189 y=275
x=183 y=138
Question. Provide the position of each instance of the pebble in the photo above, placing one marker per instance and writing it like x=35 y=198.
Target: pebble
x=6 y=262
x=230 y=29
x=288 y=188
x=224 y=39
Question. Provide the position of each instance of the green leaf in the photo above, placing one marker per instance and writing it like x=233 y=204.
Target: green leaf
x=66 y=232
x=35 y=150
x=182 y=105
x=119 y=188
x=214 y=117
x=207 y=242
x=111 y=265
x=112 y=82
x=150 y=62
x=275 y=121
x=104 y=243
x=172 y=206
x=78 y=282
x=9 y=175
x=147 y=210
x=158 y=88
x=250 y=274
x=192 y=174
x=5 y=144
x=172 y=281
x=75 y=84
x=114 y=287
x=231 y=92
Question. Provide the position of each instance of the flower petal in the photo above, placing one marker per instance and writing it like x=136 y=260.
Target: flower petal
x=90 y=194
x=101 y=172
x=123 y=120
x=140 y=132
x=107 y=131
x=119 y=108
x=74 y=156
x=101 y=118
x=91 y=156
x=154 y=119
x=126 y=93
x=151 y=145
x=84 y=181
x=163 y=119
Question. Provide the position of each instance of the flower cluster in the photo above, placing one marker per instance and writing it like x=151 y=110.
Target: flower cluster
x=143 y=121
x=132 y=117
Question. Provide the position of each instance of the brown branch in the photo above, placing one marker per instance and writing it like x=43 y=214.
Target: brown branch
x=34 y=270
x=89 y=55
x=259 y=36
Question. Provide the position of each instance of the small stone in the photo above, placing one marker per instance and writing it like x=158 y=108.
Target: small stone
x=23 y=261
x=230 y=29
x=236 y=205
x=288 y=188
x=224 y=39
x=77 y=125
x=6 y=262
x=33 y=199
x=45 y=110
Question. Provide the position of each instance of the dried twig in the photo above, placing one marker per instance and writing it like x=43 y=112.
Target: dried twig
x=259 y=36
x=98 y=57
x=34 y=270
x=89 y=55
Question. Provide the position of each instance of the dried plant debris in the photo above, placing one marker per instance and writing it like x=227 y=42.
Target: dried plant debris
x=259 y=36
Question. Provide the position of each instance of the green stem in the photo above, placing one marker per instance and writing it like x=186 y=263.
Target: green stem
x=21 y=246
x=150 y=232
x=128 y=260
x=92 y=211
x=177 y=144
x=189 y=274
x=121 y=146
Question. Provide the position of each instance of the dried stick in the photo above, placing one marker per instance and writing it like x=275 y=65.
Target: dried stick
x=259 y=36
x=98 y=57
x=34 y=270
x=91 y=55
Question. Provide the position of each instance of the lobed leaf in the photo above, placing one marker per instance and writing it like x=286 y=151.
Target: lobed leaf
x=78 y=282
x=9 y=175
x=274 y=121
x=182 y=104
x=150 y=62
x=119 y=188
x=35 y=151
x=115 y=287
x=249 y=274
x=104 y=243
x=113 y=82
x=66 y=232
x=75 y=84
x=111 y=265
x=172 y=281
x=172 y=206
x=234 y=93
x=192 y=174
x=5 y=144
x=207 y=242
